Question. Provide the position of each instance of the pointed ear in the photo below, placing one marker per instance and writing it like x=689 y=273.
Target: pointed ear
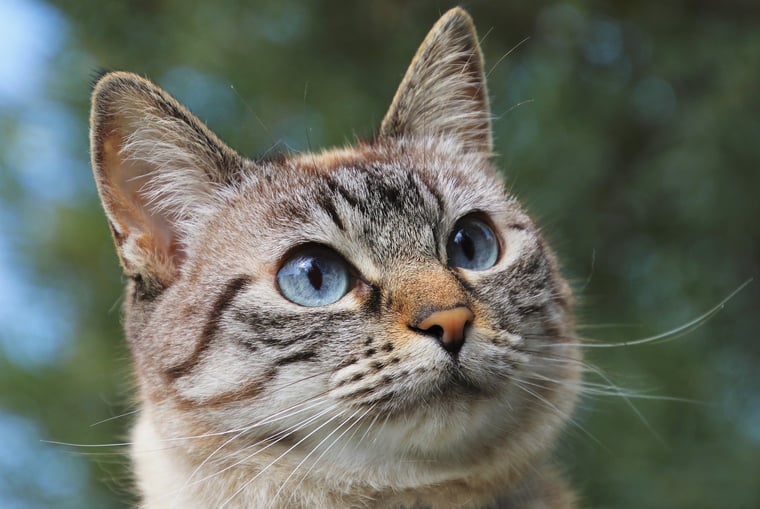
x=444 y=90
x=157 y=168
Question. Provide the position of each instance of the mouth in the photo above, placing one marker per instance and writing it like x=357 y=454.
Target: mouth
x=456 y=383
x=452 y=389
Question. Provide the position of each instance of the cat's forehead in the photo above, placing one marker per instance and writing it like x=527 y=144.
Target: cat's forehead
x=386 y=203
x=399 y=181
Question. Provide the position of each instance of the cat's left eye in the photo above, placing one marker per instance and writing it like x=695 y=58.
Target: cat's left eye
x=472 y=245
x=314 y=276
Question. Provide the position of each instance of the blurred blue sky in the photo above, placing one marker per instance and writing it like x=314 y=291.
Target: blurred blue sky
x=35 y=321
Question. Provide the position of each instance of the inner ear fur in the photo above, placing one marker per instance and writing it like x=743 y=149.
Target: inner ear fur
x=157 y=168
x=443 y=93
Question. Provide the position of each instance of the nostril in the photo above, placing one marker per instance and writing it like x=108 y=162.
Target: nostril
x=447 y=326
x=435 y=330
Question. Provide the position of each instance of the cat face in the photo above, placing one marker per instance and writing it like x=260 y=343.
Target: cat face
x=385 y=304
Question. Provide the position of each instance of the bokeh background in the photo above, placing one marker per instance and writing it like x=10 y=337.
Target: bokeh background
x=631 y=130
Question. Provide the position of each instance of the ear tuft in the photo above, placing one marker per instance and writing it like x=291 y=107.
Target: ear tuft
x=443 y=92
x=157 y=168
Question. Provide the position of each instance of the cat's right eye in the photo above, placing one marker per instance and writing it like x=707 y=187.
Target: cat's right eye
x=315 y=276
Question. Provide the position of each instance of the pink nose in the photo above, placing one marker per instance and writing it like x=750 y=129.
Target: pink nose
x=447 y=326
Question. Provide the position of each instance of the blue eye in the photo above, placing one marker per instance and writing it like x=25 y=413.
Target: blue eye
x=472 y=245
x=314 y=277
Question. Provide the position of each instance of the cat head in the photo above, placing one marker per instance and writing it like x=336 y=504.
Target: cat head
x=379 y=305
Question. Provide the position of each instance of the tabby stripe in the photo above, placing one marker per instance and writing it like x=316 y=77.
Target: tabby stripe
x=327 y=204
x=309 y=337
x=275 y=330
x=344 y=193
x=423 y=185
x=222 y=302
x=303 y=356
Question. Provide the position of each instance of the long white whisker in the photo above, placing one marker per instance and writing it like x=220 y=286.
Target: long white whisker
x=270 y=441
x=520 y=384
x=115 y=417
x=603 y=376
x=268 y=420
x=316 y=461
x=668 y=335
x=314 y=449
x=278 y=458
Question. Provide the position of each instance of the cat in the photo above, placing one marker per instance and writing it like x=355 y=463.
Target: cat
x=377 y=326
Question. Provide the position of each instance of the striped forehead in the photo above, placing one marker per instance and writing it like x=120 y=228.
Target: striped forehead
x=395 y=208
x=386 y=210
x=391 y=210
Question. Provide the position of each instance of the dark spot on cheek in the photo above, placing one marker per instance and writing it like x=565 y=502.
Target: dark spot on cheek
x=387 y=347
x=357 y=377
x=395 y=360
x=378 y=365
x=370 y=352
x=369 y=341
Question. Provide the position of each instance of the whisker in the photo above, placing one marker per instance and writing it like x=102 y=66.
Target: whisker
x=314 y=449
x=266 y=420
x=125 y=414
x=358 y=419
x=520 y=384
x=668 y=335
x=603 y=376
x=591 y=272
x=613 y=390
x=278 y=458
x=69 y=444
x=242 y=432
x=272 y=439
x=605 y=326
x=366 y=432
x=590 y=368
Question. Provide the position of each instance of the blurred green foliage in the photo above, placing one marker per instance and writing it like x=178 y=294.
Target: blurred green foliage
x=630 y=129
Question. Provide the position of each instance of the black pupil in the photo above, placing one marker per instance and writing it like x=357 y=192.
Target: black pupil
x=466 y=243
x=315 y=275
